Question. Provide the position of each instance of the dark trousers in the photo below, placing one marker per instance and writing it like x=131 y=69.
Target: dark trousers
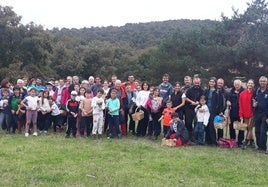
x=55 y=121
x=165 y=130
x=113 y=121
x=14 y=122
x=189 y=119
x=71 y=126
x=143 y=124
x=210 y=131
x=261 y=130
x=156 y=123
x=86 y=125
x=43 y=121
x=232 y=131
x=199 y=131
x=128 y=115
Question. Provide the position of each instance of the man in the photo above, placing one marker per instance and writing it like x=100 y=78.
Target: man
x=166 y=89
x=98 y=85
x=187 y=84
x=260 y=103
x=192 y=100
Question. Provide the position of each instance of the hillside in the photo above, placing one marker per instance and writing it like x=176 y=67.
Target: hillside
x=139 y=35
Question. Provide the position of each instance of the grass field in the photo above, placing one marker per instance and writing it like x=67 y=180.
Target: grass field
x=56 y=161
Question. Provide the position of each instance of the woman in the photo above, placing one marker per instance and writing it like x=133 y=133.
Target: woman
x=154 y=104
x=246 y=112
x=141 y=101
x=233 y=103
x=178 y=99
x=215 y=106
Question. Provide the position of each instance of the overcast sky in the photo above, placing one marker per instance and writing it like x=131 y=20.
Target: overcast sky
x=87 y=13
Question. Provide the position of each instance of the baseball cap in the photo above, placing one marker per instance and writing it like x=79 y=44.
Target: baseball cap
x=73 y=92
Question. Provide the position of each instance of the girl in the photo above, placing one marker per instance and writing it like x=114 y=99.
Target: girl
x=44 y=113
x=31 y=104
x=79 y=98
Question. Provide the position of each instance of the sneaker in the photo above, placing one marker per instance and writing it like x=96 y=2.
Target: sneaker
x=45 y=132
x=67 y=136
x=35 y=133
x=26 y=134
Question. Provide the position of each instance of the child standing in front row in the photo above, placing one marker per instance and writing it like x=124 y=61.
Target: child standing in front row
x=98 y=107
x=31 y=103
x=55 y=114
x=86 y=114
x=166 y=116
x=113 y=106
x=202 y=115
x=72 y=108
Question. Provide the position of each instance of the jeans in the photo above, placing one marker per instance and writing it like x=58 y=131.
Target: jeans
x=199 y=131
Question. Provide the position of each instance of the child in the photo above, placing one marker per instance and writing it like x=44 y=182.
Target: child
x=98 y=107
x=72 y=108
x=14 y=105
x=21 y=112
x=55 y=114
x=31 y=104
x=5 y=110
x=43 y=118
x=86 y=114
x=177 y=131
x=202 y=115
x=113 y=106
x=166 y=116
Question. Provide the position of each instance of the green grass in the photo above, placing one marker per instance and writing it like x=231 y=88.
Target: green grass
x=56 y=161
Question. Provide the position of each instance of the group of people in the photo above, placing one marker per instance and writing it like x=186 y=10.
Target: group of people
x=184 y=112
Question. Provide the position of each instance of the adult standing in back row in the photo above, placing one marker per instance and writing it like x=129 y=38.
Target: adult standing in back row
x=260 y=103
x=192 y=100
x=166 y=89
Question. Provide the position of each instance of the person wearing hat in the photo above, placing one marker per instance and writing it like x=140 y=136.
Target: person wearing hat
x=72 y=108
x=49 y=88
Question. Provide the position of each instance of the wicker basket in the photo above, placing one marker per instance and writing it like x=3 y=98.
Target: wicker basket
x=221 y=125
x=138 y=115
x=239 y=125
x=168 y=142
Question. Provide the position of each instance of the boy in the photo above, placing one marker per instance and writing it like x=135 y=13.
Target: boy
x=72 y=108
x=98 y=107
x=166 y=116
x=177 y=131
x=202 y=115
x=55 y=114
x=86 y=114
x=113 y=106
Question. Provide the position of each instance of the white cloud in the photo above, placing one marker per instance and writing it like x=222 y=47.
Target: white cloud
x=87 y=13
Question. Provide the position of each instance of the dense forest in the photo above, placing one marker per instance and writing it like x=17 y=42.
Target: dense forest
x=233 y=47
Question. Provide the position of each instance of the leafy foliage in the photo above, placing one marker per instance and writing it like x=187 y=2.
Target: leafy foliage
x=235 y=46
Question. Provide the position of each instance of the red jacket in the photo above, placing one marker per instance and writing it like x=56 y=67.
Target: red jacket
x=245 y=104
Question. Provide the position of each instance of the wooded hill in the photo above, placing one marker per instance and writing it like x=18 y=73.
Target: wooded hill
x=235 y=46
